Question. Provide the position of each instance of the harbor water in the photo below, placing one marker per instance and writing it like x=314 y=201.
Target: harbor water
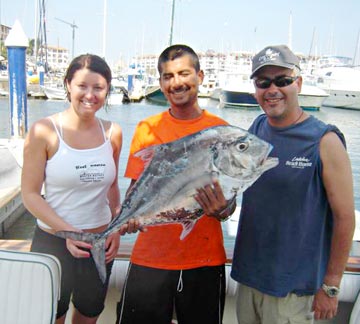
x=128 y=115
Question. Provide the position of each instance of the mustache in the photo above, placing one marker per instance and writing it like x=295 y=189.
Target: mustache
x=179 y=89
x=273 y=96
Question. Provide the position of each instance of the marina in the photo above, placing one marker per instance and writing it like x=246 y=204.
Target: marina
x=127 y=107
x=128 y=115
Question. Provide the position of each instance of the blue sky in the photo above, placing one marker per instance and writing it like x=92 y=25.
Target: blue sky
x=143 y=26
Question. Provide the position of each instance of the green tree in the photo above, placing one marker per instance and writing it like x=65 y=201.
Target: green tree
x=3 y=49
x=30 y=49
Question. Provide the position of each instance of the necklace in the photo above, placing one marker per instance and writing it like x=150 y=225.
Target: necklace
x=297 y=119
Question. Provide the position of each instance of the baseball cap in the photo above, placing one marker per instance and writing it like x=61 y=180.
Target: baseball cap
x=278 y=55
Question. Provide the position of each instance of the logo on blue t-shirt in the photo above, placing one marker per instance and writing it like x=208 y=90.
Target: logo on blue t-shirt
x=299 y=163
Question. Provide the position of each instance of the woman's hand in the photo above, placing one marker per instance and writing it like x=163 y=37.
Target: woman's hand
x=78 y=249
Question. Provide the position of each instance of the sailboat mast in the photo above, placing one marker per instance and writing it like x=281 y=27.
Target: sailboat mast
x=312 y=42
x=290 y=31
x=172 y=22
x=42 y=35
x=104 y=29
x=356 y=49
x=35 y=32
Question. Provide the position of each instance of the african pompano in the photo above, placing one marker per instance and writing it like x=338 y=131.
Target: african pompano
x=164 y=193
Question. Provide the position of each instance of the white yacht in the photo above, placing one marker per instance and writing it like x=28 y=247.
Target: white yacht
x=342 y=83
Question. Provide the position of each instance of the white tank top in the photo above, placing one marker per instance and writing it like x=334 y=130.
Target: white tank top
x=77 y=182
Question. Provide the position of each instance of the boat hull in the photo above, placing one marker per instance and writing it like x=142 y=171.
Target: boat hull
x=342 y=83
x=343 y=99
x=54 y=93
x=154 y=94
x=312 y=97
x=235 y=98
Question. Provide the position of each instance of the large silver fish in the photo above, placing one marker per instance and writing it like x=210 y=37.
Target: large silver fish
x=165 y=191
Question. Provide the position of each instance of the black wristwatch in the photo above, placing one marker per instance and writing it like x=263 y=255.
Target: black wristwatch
x=331 y=291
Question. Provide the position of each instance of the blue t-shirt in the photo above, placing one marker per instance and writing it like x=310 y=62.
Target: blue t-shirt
x=285 y=227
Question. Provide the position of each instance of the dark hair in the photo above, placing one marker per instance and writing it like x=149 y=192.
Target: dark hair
x=88 y=61
x=175 y=51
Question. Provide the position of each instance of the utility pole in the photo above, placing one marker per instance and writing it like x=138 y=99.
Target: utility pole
x=73 y=26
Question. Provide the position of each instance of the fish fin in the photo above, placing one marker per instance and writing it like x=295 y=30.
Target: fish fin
x=270 y=162
x=187 y=227
x=97 y=250
x=146 y=155
x=98 y=254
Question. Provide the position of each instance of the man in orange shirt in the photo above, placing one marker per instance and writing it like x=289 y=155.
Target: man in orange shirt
x=167 y=273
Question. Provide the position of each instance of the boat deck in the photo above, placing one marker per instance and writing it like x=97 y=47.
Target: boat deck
x=113 y=296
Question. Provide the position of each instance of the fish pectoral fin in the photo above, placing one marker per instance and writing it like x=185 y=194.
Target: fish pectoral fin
x=98 y=254
x=187 y=228
x=146 y=154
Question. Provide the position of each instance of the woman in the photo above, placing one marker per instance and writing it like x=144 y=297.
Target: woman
x=75 y=156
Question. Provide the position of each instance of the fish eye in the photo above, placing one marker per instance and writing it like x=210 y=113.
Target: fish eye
x=242 y=146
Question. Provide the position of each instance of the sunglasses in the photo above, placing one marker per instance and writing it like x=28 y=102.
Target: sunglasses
x=280 y=82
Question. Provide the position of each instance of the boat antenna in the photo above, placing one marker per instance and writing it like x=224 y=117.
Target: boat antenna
x=172 y=22
x=73 y=26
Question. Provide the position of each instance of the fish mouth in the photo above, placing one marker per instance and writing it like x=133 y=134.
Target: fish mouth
x=269 y=163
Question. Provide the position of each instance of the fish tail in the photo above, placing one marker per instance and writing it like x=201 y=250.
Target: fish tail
x=97 y=251
x=98 y=254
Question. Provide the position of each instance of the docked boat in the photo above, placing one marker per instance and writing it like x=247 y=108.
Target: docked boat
x=215 y=94
x=342 y=83
x=209 y=84
x=54 y=92
x=312 y=97
x=3 y=93
x=154 y=94
x=237 y=90
x=239 y=94
x=118 y=92
x=115 y=98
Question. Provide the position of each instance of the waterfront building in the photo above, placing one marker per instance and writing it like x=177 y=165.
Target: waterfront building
x=57 y=57
x=4 y=32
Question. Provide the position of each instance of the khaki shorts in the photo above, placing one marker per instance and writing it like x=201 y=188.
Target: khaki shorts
x=254 y=307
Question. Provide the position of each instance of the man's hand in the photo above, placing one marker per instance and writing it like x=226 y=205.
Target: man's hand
x=213 y=202
x=132 y=226
x=324 y=307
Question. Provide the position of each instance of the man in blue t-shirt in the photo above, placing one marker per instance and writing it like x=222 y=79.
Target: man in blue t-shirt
x=297 y=220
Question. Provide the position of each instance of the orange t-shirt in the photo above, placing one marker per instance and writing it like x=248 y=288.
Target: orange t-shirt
x=160 y=246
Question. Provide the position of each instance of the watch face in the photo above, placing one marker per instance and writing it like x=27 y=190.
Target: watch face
x=333 y=292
